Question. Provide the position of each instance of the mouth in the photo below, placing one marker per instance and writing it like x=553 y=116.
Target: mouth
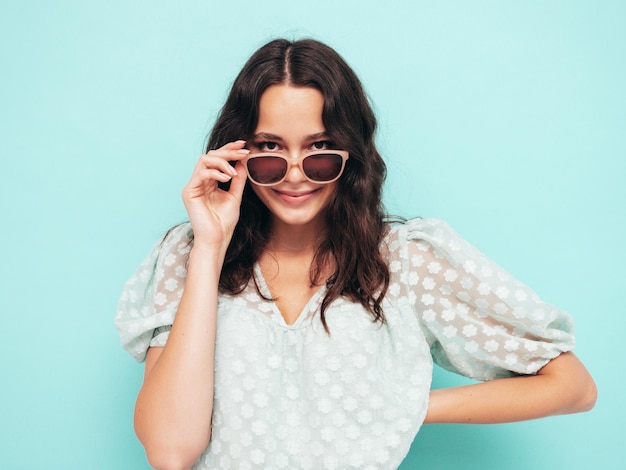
x=295 y=197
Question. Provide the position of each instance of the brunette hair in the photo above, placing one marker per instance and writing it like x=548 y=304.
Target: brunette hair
x=356 y=222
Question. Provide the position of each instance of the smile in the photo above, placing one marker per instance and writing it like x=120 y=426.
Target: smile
x=295 y=197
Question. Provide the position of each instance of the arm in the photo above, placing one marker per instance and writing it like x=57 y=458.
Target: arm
x=562 y=386
x=174 y=406
x=482 y=323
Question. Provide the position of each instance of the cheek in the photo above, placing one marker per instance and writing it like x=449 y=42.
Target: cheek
x=331 y=191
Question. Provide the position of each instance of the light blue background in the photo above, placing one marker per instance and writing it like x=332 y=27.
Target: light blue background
x=507 y=119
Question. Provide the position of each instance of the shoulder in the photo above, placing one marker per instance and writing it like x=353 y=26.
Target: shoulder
x=425 y=240
x=431 y=230
x=150 y=298
x=178 y=238
x=172 y=254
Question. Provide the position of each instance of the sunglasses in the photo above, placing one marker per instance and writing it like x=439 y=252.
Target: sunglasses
x=319 y=166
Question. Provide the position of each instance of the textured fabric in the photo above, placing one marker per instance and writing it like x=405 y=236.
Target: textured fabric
x=291 y=396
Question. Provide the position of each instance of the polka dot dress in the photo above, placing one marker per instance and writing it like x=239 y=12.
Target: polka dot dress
x=292 y=396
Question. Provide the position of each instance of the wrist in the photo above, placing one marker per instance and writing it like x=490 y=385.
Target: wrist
x=205 y=254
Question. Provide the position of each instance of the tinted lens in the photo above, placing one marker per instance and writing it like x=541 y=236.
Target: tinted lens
x=322 y=167
x=267 y=170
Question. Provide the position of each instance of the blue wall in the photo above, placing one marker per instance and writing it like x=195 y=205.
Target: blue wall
x=507 y=119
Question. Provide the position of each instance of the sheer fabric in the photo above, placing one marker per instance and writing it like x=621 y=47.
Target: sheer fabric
x=292 y=396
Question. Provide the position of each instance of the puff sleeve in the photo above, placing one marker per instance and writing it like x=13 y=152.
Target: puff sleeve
x=150 y=298
x=478 y=320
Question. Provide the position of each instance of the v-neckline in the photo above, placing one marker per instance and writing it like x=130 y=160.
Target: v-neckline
x=277 y=316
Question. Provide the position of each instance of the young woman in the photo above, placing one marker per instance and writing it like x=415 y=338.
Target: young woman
x=291 y=325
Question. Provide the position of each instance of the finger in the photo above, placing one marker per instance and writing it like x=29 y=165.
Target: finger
x=224 y=165
x=210 y=174
x=237 y=144
x=238 y=183
x=202 y=180
x=228 y=154
x=229 y=147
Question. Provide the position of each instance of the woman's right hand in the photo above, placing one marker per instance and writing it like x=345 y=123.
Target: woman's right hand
x=213 y=212
x=175 y=404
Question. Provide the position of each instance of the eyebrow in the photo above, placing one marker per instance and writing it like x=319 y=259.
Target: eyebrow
x=274 y=137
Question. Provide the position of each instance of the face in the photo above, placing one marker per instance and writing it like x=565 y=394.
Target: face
x=290 y=123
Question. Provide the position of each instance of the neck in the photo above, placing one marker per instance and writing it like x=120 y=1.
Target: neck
x=293 y=239
x=295 y=246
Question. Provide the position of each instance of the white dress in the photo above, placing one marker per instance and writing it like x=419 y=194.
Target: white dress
x=294 y=397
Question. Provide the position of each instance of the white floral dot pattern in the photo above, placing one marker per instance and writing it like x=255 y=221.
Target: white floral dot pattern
x=291 y=396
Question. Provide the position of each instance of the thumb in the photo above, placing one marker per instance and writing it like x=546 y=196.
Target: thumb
x=238 y=182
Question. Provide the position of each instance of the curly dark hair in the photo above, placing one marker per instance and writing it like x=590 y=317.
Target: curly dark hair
x=356 y=222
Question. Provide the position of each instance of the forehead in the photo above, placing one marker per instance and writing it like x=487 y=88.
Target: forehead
x=289 y=111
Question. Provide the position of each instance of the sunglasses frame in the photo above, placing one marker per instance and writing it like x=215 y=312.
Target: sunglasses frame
x=298 y=162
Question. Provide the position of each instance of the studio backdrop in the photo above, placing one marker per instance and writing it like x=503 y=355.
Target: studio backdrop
x=506 y=119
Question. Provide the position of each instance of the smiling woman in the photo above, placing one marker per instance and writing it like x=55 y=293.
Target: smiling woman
x=291 y=324
x=290 y=122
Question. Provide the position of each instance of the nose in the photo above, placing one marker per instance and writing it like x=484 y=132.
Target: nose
x=294 y=173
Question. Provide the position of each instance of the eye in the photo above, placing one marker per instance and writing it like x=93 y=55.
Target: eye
x=321 y=145
x=267 y=146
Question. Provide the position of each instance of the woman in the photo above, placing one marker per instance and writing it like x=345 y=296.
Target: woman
x=290 y=325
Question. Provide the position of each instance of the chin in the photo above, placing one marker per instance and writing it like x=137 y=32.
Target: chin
x=300 y=207
x=300 y=218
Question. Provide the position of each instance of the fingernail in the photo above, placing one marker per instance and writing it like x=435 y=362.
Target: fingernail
x=243 y=151
x=240 y=141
